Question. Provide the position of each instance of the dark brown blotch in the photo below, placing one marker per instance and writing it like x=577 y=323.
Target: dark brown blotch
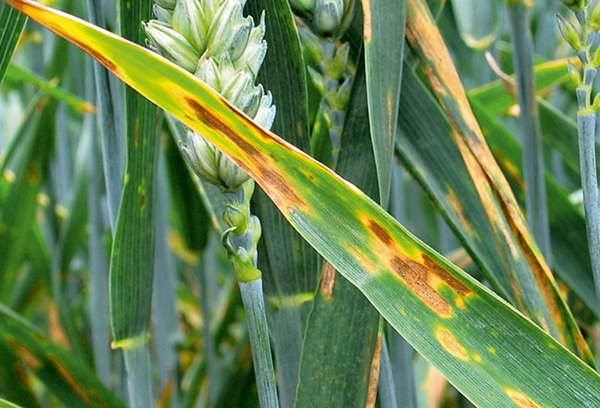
x=457 y=286
x=274 y=181
x=97 y=56
x=213 y=121
x=381 y=233
x=279 y=185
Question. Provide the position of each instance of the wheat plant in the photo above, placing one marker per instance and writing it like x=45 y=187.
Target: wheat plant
x=407 y=228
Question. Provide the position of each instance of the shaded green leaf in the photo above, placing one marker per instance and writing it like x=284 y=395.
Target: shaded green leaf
x=341 y=334
x=12 y=23
x=384 y=51
x=62 y=373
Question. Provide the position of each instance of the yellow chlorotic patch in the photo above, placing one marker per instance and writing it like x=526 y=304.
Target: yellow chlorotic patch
x=460 y=303
x=390 y=110
x=366 y=264
x=178 y=246
x=9 y=176
x=367 y=25
x=477 y=358
x=510 y=167
x=522 y=400
x=492 y=350
x=482 y=183
x=451 y=344
x=457 y=207
x=70 y=379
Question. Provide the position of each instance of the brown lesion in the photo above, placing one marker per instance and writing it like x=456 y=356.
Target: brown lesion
x=280 y=187
x=328 y=280
x=70 y=378
x=97 y=56
x=367 y=24
x=380 y=232
x=143 y=199
x=34 y=173
x=424 y=278
x=214 y=122
x=374 y=374
x=415 y=275
x=274 y=183
x=457 y=286
x=26 y=355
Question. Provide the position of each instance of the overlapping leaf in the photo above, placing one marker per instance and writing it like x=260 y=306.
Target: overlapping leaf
x=435 y=305
x=543 y=302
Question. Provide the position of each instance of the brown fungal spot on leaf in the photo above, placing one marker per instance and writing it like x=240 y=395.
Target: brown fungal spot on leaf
x=457 y=207
x=70 y=378
x=136 y=137
x=34 y=173
x=279 y=187
x=22 y=376
x=457 y=286
x=451 y=344
x=203 y=114
x=328 y=280
x=378 y=230
x=374 y=374
x=143 y=199
x=111 y=66
x=425 y=279
x=25 y=354
x=415 y=275
x=274 y=183
x=522 y=400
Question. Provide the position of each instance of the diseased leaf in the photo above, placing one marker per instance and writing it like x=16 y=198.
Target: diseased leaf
x=545 y=304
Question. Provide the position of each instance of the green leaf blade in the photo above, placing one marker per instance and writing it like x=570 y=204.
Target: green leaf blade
x=384 y=51
x=67 y=378
x=12 y=23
